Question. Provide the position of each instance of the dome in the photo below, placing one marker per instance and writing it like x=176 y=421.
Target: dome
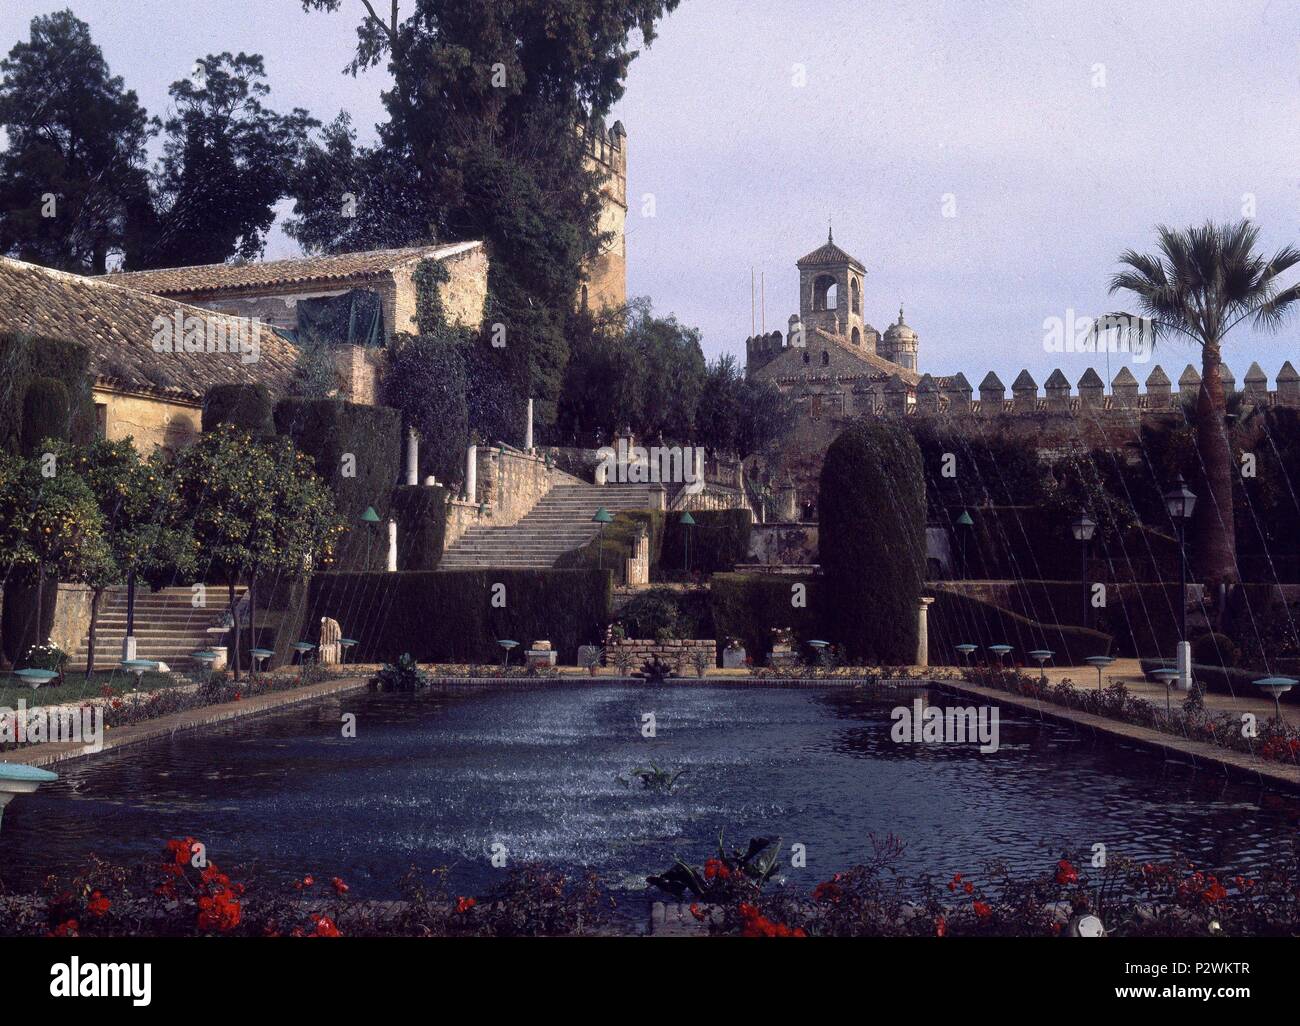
x=899 y=330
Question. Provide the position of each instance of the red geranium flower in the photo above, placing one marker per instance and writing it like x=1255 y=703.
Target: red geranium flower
x=98 y=904
x=1066 y=873
x=940 y=926
x=339 y=886
x=325 y=927
x=463 y=905
x=982 y=910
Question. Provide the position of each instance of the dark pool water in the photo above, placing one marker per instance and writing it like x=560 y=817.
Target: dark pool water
x=439 y=778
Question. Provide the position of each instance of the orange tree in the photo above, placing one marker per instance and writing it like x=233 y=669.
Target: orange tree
x=256 y=506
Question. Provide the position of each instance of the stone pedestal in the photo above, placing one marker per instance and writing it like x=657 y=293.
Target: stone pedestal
x=392 y=546
x=471 y=474
x=222 y=660
x=412 y=457
x=733 y=658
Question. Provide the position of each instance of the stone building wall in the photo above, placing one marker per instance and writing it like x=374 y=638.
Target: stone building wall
x=150 y=421
x=510 y=483
x=607 y=273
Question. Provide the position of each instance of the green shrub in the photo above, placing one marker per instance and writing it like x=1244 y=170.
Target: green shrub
x=421 y=515
x=675 y=614
x=751 y=606
x=459 y=615
x=46 y=414
x=1215 y=650
x=871 y=505
x=356 y=449
x=959 y=620
x=612 y=548
x=24 y=358
x=246 y=406
x=718 y=541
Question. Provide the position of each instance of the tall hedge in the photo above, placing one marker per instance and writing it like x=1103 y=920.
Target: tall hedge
x=718 y=541
x=750 y=606
x=246 y=406
x=357 y=450
x=871 y=504
x=961 y=620
x=46 y=414
x=421 y=515
x=25 y=357
x=454 y=616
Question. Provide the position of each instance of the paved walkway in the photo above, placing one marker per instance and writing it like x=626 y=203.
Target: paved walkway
x=189 y=719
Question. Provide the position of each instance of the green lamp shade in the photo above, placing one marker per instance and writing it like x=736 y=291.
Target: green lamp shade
x=964 y=520
x=686 y=519
x=602 y=517
x=370 y=516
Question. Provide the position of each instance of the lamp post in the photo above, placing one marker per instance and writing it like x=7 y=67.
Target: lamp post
x=371 y=519
x=965 y=523
x=687 y=521
x=1083 y=528
x=602 y=518
x=1179 y=503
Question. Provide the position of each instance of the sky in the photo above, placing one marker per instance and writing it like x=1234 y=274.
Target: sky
x=986 y=162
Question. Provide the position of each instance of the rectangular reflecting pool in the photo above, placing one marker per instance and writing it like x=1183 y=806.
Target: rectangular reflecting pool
x=439 y=778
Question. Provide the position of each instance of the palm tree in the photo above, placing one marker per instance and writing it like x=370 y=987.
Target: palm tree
x=1202 y=283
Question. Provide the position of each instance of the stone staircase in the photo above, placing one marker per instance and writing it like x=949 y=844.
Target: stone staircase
x=167 y=626
x=560 y=521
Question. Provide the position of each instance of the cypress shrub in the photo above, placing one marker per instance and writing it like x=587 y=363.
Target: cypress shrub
x=246 y=406
x=678 y=614
x=24 y=358
x=751 y=606
x=871 y=505
x=459 y=615
x=46 y=414
x=356 y=450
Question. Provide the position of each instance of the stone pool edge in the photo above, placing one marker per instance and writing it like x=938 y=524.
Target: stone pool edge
x=1231 y=762
x=190 y=719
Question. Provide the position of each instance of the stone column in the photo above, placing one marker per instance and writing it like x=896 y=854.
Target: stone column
x=412 y=457
x=471 y=474
x=923 y=633
x=392 y=545
x=528 y=429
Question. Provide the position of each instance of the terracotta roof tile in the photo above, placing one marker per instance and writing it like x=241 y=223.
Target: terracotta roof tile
x=118 y=325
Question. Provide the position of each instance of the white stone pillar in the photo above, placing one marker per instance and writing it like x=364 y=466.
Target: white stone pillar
x=471 y=474
x=699 y=463
x=392 y=545
x=528 y=429
x=412 y=457
x=1184 y=660
x=923 y=633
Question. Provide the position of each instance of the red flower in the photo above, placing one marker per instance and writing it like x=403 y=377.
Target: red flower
x=1215 y=892
x=1066 y=873
x=940 y=926
x=324 y=927
x=463 y=905
x=982 y=910
x=305 y=882
x=98 y=904
x=969 y=888
x=716 y=868
x=697 y=912
x=220 y=911
x=339 y=886
x=68 y=928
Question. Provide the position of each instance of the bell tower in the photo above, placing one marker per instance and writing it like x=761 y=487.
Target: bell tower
x=830 y=292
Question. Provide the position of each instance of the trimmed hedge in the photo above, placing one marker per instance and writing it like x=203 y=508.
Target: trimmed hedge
x=718 y=541
x=246 y=406
x=1222 y=680
x=330 y=429
x=872 y=542
x=421 y=515
x=749 y=606
x=46 y=414
x=612 y=551
x=24 y=358
x=681 y=614
x=958 y=620
x=449 y=616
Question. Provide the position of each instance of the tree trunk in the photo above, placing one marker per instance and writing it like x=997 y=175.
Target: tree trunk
x=1214 y=541
x=94 y=616
x=234 y=629
x=252 y=624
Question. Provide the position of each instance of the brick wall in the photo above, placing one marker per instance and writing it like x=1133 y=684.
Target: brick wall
x=679 y=654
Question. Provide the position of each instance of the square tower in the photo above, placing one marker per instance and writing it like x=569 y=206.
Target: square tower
x=830 y=293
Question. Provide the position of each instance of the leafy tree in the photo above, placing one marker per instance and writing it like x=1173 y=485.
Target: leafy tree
x=256 y=506
x=227 y=162
x=146 y=536
x=1201 y=284
x=76 y=134
x=481 y=143
x=738 y=414
x=54 y=528
x=426 y=381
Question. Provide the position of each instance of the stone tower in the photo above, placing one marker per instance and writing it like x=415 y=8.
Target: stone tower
x=830 y=293
x=900 y=344
x=606 y=153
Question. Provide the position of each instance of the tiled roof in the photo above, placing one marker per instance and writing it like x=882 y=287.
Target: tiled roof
x=118 y=325
x=172 y=281
x=828 y=255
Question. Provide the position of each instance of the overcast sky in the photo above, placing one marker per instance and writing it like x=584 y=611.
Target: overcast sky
x=1059 y=133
